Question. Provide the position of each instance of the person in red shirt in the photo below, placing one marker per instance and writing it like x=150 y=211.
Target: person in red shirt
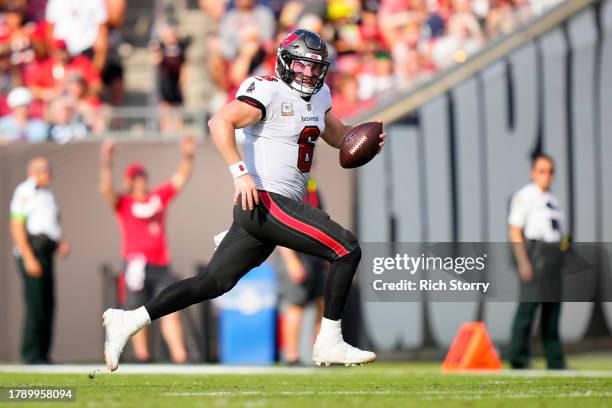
x=49 y=78
x=141 y=214
x=26 y=38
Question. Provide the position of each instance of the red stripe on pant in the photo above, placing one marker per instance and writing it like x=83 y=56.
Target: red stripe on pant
x=300 y=226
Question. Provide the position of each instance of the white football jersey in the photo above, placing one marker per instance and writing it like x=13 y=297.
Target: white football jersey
x=278 y=150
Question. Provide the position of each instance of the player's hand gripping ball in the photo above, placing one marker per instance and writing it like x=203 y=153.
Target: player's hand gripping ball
x=361 y=144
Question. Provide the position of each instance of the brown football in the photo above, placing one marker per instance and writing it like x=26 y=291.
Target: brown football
x=360 y=144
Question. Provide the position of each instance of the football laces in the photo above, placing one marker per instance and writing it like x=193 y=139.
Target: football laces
x=357 y=145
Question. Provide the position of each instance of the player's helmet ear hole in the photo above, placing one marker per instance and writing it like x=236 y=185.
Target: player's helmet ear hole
x=307 y=46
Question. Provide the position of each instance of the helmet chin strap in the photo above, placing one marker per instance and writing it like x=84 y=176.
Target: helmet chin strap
x=303 y=90
x=298 y=88
x=295 y=86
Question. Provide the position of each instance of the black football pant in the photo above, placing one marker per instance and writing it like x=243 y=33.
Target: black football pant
x=39 y=306
x=521 y=334
x=547 y=261
x=277 y=220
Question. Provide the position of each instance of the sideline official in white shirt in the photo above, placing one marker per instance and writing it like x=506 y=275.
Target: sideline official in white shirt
x=37 y=235
x=535 y=230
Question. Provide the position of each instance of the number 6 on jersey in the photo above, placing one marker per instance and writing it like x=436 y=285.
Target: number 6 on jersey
x=308 y=137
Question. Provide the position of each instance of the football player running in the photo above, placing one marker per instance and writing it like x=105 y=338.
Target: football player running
x=282 y=118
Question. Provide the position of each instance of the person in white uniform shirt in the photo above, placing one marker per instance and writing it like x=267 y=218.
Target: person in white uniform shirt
x=535 y=218
x=83 y=25
x=37 y=235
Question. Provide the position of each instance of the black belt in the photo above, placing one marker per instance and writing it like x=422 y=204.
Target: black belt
x=42 y=244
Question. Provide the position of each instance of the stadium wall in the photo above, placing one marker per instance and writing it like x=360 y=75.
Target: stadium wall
x=453 y=164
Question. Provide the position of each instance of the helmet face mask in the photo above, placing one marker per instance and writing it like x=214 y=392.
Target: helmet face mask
x=302 y=62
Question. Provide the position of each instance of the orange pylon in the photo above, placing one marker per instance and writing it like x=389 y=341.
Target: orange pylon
x=472 y=349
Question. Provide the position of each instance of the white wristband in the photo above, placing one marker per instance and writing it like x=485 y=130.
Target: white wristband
x=238 y=169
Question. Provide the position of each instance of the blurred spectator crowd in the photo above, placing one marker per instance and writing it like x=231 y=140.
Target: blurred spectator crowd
x=377 y=45
x=60 y=72
x=55 y=68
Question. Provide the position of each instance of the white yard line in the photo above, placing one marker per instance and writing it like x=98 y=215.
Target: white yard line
x=432 y=395
x=217 y=369
x=153 y=369
x=268 y=394
x=476 y=396
x=535 y=373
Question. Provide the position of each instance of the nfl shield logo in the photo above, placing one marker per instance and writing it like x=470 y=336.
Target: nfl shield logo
x=309 y=107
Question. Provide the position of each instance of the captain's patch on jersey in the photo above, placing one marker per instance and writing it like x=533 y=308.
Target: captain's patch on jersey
x=287 y=109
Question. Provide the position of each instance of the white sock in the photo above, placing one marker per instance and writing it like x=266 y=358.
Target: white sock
x=141 y=316
x=331 y=328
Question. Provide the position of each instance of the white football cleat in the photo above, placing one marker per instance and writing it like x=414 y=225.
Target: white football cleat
x=120 y=326
x=334 y=350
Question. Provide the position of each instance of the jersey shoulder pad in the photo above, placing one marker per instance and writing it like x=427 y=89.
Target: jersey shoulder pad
x=326 y=96
x=258 y=91
x=325 y=89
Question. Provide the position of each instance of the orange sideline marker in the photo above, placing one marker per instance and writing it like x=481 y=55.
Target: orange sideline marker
x=472 y=349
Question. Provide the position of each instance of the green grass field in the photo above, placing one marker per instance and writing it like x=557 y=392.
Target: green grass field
x=380 y=385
